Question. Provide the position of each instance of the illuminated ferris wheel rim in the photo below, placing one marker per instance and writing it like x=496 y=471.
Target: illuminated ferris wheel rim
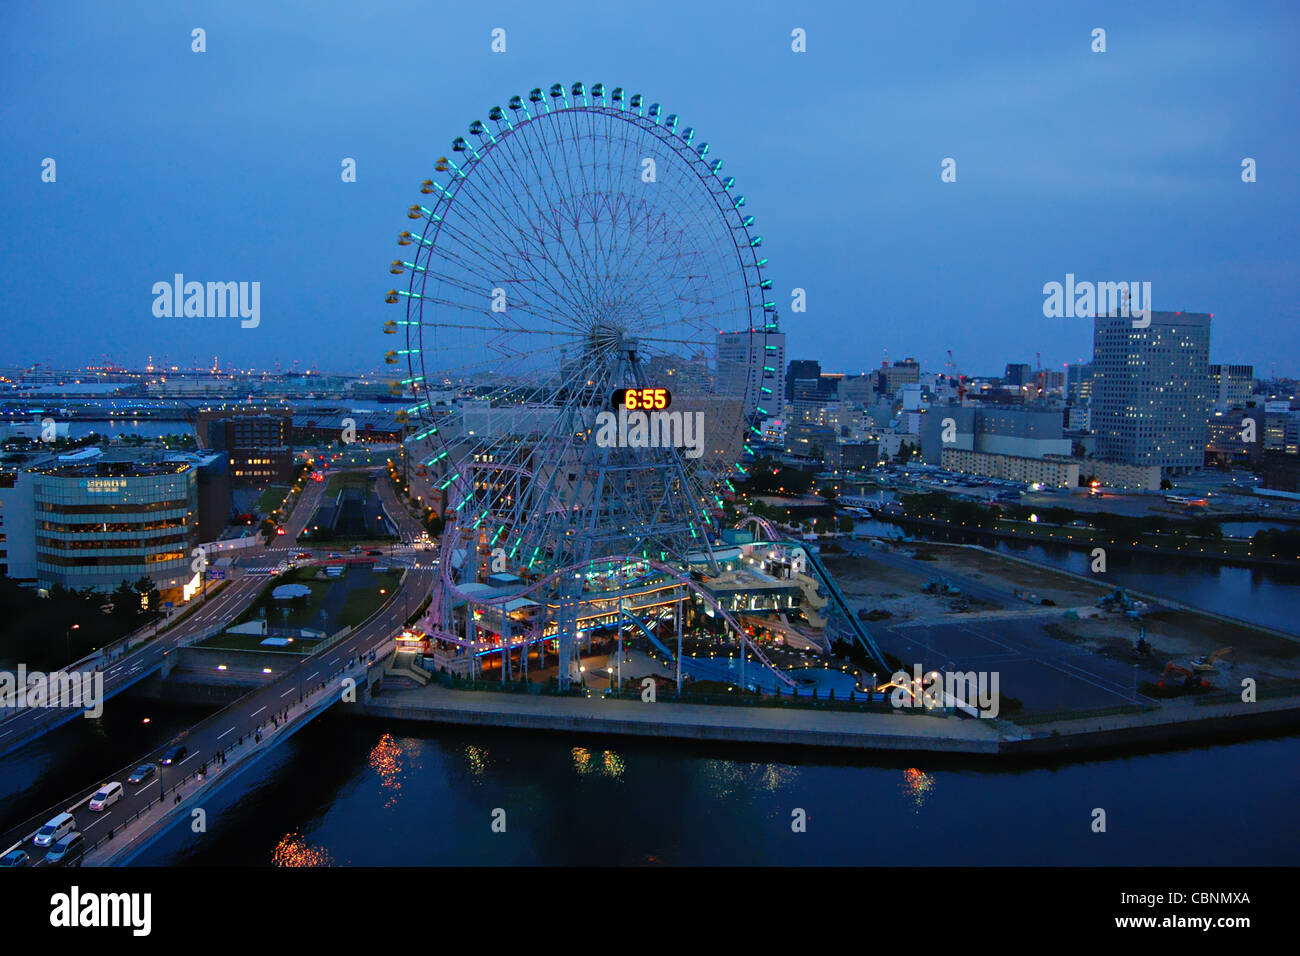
x=547 y=201
x=761 y=312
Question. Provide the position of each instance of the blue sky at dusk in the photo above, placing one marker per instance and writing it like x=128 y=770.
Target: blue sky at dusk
x=225 y=165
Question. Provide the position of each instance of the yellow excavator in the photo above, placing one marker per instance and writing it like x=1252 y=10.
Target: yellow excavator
x=1209 y=664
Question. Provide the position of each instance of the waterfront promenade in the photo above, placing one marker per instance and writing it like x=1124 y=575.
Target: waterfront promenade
x=735 y=724
x=1176 y=723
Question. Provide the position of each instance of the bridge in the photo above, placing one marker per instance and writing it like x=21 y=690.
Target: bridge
x=222 y=745
x=136 y=657
x=149 y=651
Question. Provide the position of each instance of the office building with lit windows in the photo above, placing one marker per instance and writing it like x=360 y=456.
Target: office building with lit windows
x=99 y=523
x=1151 y=390
x=258 y=442
x=1231 y=385
x=753 y=365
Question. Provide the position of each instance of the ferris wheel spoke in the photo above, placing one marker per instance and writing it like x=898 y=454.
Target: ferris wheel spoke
x=507 y=318
x=579 y=265
x=473 y=309
x=521 y=254
x=509 y=241
x=548 y=253
x=497 y=262
x=539 y=219
x=513 y=330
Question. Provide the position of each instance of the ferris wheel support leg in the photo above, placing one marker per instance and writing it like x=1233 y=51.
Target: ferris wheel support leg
x=564 y=633
x=742 y=663
x=681 y=611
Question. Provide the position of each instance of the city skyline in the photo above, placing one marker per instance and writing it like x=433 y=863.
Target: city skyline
x=211 y=178
x=690 y=435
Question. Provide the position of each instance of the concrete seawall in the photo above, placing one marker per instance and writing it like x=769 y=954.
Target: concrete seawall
x=893 y=732
x=1183 y=724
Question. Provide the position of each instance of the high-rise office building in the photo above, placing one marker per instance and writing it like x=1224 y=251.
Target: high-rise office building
x=1018 y=373
x=1150 y=389
x=258 y=442
x=857 y=389
x=1078 y=382
x=753 y=364
x=1231 y=385
x=800 y=369
x=894 y=377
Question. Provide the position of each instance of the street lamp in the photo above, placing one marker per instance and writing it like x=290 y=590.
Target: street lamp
x=68 y=641
x=611 y=679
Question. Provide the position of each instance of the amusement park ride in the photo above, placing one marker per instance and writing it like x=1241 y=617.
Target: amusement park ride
x=578 y=258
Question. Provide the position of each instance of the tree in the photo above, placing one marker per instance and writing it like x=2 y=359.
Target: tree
x=1206 y=527
x=1166 y=484
x=126 y=604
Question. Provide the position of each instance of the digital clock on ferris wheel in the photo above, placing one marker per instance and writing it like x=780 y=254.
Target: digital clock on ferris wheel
x=643 y=399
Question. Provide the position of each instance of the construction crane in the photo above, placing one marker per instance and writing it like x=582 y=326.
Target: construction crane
x=957 y=377
x=1040 y=377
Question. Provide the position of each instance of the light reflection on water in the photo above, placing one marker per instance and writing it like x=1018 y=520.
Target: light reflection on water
x=386 y=761
x=574 y=800
x=917 y=784
x=293 y=850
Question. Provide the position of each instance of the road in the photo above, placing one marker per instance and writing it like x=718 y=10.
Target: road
x=409 y=528
x=122 y=669
x=243 y=719
x=308 y=501
x=126 y=667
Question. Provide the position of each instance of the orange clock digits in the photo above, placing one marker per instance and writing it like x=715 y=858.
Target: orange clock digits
x=638 y=399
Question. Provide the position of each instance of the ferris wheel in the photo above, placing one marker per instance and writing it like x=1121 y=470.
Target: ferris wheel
x=589 y=331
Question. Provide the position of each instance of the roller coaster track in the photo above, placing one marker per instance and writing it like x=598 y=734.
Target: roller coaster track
x=864 y=639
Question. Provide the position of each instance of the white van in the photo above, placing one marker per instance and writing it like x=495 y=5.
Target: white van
x=57 y=828
x=108 y=795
